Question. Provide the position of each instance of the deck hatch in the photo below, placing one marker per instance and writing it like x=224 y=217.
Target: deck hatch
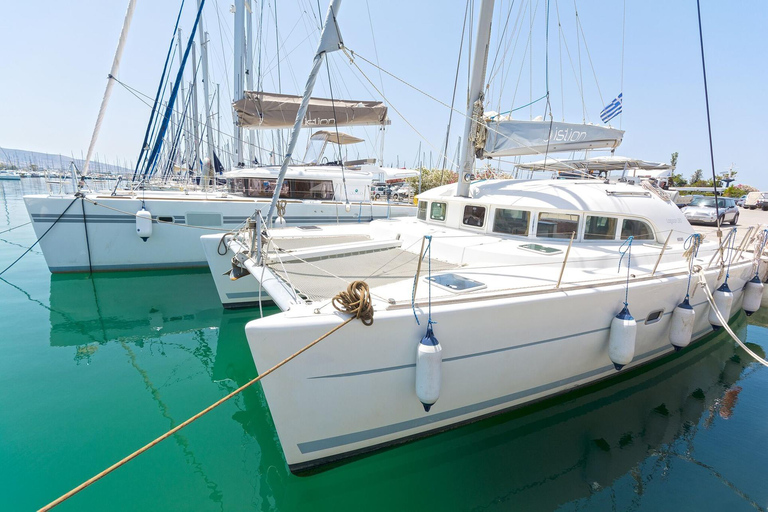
x=456 y=283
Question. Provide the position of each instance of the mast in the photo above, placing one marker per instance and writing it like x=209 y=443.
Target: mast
x=195 y=120
x=249 y=71
x=477 y=81
x=209 y=172
x=330 y=41
x=182 y=112
x=239 y=70
x=110 y=81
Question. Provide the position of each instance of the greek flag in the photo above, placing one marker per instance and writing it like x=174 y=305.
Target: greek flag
x=612 y=110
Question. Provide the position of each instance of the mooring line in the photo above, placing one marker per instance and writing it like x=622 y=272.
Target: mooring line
x=356 y=300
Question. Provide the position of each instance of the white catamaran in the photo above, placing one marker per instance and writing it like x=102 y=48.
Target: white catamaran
x=517 y=279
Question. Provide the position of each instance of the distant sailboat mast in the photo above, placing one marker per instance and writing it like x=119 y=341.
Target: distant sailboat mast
x=110 y=81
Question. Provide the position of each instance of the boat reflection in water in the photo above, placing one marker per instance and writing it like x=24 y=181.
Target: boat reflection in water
x=560 y=450
x=535 y=458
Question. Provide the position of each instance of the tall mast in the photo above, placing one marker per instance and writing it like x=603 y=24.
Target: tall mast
x=195 y=119
x=203 y=35
x=182 y=111
x=330 y=41
x=249 y=72
x=476 y=83
x=239 y=71
x=110 y=81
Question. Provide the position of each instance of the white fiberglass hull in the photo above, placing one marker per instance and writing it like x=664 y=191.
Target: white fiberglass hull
x=110 y=241
x=355 y=391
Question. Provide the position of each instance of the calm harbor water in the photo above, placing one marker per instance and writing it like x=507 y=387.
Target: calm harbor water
x=94 y=367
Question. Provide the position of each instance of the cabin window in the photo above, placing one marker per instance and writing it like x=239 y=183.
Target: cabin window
x=474 y=216
x=557 y=225
x=600 y=228
x=291 y=189
x=636 y=228
x=511 y=222
x=422 y=213
x=437 y=212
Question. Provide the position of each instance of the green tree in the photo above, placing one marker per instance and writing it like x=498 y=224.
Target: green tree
x=696 y=177
x=673 y=160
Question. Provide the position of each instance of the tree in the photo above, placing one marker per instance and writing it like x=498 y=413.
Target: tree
x=697 y=177
x=678 y=180
x=673 y=160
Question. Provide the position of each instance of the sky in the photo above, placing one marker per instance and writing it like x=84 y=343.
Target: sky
x=55 y=56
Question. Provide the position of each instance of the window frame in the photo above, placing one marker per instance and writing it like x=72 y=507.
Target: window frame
x=579 y=225
x=481 y=227
x=528 y=228
x=418 y=209
x=616 y=230
x=445 y=211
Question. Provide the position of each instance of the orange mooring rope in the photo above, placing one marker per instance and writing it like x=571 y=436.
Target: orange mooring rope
x=357 y=303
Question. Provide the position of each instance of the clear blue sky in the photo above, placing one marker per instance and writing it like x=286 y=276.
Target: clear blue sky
x=54 y=58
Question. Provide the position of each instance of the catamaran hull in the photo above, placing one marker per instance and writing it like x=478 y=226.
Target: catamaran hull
x=111 y=242
x=355 y=391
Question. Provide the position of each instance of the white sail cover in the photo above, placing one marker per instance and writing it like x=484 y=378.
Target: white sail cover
x=271 y=111
x=517 y=138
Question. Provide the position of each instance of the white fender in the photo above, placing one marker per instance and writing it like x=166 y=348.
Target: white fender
x=621 y=343
x=723 y=301
x=280 y=222
x=681 y=325
x=429 y=360
x=753 y=295
x=143 y=224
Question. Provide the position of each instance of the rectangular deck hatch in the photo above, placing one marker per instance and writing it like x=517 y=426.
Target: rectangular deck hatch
x=456 y=283
x=540 y=248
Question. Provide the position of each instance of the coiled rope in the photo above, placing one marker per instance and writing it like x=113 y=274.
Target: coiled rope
x=356 y=300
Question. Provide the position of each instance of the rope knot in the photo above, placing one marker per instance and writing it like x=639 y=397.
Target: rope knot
x=356 y=301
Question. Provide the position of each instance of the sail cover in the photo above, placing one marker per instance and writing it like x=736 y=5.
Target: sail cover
x=271 y=111
x=516 y=138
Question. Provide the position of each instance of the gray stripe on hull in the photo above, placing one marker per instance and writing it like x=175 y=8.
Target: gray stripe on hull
x=364 y=435
x=245 y=295
x=139 y=266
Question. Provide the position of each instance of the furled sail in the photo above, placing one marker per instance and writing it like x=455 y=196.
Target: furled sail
x=270 y=111
x=510 y=137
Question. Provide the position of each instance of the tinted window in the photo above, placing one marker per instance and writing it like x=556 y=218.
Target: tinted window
x=438 y=211
x=600 y=228
x=422 y=213
x=557 y=225
x=511 y=222
x=474 y=216
x=636 y=228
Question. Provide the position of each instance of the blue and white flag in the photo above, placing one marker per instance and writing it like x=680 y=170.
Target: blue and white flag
x=612 y=110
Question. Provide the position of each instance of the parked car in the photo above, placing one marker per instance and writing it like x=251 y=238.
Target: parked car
x=402 y=193
x=755 y=200
x=704 y=210
x=381 y=192
x=740 y=201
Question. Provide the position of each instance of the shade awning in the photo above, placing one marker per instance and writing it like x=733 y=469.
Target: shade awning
x=261 y=110
x=340 y=138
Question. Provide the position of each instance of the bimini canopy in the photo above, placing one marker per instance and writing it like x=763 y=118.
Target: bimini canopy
x=509 y=137
x=335 y=137
x=596 y=164
x=271 y=111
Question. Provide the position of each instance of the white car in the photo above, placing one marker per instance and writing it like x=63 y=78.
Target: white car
x=702 y=210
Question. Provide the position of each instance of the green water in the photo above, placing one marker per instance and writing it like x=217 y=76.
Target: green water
x=93 y=368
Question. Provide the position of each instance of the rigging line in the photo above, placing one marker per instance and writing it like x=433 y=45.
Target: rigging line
x=589 y=57
x=623 y=32
x=501 y=39
x=453 y=96
x=373 y=38
x=570 y=58
x=391 y=105
x=560 y=56
x=351 y=55
x=336 y=126
x=709 y=122
x=581 y=77
x=506 y=70
x=546 y=53
x=522 y=65
x=160 y=87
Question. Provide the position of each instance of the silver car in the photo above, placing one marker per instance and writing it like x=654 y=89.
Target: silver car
x=702 y=210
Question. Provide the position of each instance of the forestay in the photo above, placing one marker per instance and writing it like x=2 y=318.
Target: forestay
x=271 y=111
